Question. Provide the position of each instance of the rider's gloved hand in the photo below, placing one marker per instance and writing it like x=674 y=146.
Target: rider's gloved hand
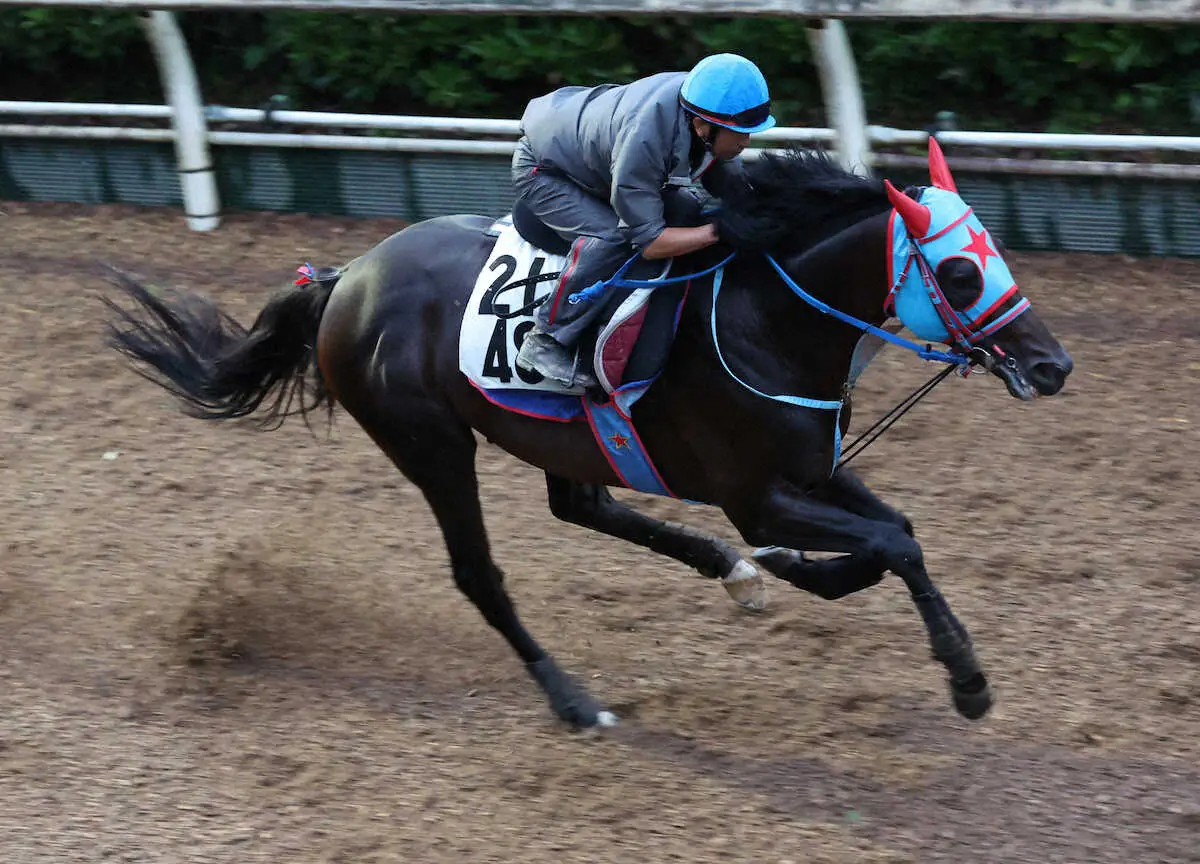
x=683 y=206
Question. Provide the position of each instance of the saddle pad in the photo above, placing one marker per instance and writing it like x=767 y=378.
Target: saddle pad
x=512 y=280
x=515 y=274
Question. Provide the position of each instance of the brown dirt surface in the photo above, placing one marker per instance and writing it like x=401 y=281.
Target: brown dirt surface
x=221 y=645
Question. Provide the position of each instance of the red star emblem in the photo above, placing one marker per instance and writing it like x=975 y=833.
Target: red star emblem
x=979 y=245
x=618 y=440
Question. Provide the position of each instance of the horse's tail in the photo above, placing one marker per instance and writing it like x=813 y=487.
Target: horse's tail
x=217 y=368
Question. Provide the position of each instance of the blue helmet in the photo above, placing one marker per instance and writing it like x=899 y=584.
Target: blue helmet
x=728 y=90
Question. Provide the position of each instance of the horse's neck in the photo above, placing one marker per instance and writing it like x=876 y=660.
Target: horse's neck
x=780 y=339
x=849 y=270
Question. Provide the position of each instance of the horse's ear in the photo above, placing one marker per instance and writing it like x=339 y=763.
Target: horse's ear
x=916 y=216
x=939 y=171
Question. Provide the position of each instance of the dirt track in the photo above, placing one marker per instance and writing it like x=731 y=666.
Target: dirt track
x=223 y=645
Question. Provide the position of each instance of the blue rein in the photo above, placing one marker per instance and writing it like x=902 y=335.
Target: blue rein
x=618 y=280
x=925 y=353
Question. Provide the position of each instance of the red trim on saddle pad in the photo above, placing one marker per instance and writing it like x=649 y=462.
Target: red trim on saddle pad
x=619 y=346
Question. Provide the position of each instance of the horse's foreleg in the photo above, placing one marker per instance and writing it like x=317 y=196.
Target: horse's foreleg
x=829 y=579
x=832 y=579
x=845 y=490
x=592 y=506
x=788 y=518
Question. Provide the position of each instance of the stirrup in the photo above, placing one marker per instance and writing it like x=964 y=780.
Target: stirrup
x=584 y=378
x=554 y=355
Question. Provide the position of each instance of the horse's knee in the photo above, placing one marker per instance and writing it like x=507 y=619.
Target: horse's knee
x=896 y=549
x=757 y=535
x=894 y=517
x=754 y=524
x=891 y=516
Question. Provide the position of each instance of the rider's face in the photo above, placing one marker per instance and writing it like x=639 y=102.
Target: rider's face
x=725 y=142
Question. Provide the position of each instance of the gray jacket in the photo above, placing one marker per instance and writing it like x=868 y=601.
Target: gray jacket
x=626 y=144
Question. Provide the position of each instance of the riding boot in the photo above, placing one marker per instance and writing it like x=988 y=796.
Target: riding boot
x=540 y=352
x=552 y=347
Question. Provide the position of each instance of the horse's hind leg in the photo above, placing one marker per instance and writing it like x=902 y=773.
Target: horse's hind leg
x=438 y=456
x=593 y=507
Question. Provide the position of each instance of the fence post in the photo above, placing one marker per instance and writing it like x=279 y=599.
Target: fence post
x=196 y=178
x=843 y=93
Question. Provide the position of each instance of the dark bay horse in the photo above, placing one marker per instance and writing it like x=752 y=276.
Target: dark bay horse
x=381 y=341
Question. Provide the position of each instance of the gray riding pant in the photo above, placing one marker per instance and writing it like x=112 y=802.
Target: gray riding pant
x=598 y=246
x=589 y=223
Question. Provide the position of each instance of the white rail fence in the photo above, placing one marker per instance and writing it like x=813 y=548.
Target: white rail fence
x=850 y=135
x=479 y=136
x=1168 y=11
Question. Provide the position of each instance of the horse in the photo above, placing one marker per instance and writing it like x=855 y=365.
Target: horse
x=810 y=257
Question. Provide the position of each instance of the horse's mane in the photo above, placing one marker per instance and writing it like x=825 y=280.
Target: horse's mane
x=794 y=200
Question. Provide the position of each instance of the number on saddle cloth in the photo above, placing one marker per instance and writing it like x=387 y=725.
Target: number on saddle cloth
x=515 y=276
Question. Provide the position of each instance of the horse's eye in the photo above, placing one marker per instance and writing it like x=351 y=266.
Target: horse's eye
x=961 y=282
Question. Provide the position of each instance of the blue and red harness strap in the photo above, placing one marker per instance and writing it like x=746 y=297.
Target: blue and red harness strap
x=613 y=430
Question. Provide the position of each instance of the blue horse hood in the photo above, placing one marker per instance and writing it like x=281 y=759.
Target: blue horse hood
x=954 y=232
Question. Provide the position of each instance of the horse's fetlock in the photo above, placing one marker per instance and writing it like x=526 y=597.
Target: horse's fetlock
x=946 y=645
x=956 y=654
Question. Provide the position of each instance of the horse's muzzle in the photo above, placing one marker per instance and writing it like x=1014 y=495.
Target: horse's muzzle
x=1050 y=376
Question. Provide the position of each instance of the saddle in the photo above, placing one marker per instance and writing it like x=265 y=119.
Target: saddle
x=630 y=342
x=637 y=325
x=537 y=232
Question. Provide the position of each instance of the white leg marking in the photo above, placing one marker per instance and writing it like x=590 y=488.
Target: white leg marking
x=745 y=585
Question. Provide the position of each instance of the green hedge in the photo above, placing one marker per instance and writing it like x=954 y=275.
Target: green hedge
x=1037 y=77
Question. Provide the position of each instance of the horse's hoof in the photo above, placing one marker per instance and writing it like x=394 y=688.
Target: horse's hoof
x=571 y=703
x=973 y=698
x=746 y=586
x=587 y=717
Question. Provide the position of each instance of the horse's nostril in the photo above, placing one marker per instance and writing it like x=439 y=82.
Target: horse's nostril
x=1049 y=377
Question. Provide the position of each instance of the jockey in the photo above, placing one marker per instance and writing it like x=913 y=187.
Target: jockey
x=622 y=168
